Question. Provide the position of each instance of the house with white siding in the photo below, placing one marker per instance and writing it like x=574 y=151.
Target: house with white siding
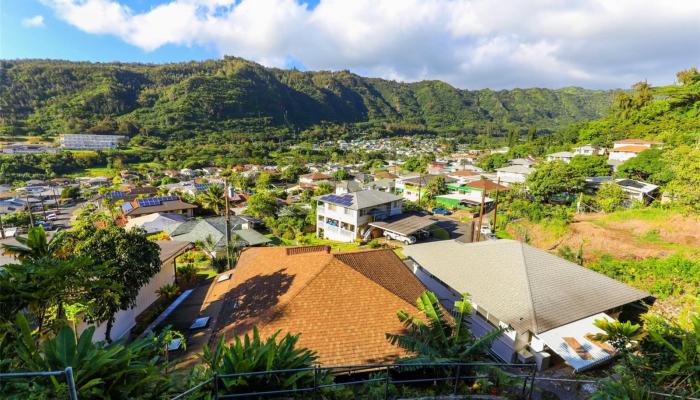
x=344 y=217
x=547 y=305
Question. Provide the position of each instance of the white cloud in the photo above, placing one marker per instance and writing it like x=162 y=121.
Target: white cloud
x=469 y=43
x=36 y=21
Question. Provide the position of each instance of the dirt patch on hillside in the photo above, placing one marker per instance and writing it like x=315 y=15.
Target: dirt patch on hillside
x=626 y=238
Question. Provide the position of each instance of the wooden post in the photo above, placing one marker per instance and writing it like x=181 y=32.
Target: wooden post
x=29 y=207
x=2 y=228
x=495 y=206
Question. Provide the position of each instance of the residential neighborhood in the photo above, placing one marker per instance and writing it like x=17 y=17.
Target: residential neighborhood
x=340 y=200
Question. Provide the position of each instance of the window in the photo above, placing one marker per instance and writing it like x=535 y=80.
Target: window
x=320 y=218
x=331 y=207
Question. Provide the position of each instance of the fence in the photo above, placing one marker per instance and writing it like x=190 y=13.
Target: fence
x=384 y=375
x=68 y=373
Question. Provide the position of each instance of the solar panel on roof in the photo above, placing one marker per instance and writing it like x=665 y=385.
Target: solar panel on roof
x=127 y=206
x=114 y=195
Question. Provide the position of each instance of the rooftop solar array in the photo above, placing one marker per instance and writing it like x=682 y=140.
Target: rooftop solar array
x=631 y=183
x=127 y=207
x=155 y=201
x=115 y=195
x=201 y=186
x=344 y=200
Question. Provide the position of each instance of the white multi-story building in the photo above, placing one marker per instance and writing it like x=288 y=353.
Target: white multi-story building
x=589 y=150
x=344 y=217
x=91 y=142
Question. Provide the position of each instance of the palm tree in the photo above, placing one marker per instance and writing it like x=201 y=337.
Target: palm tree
x=213 y=199
x=435 y=338
x=36 y=245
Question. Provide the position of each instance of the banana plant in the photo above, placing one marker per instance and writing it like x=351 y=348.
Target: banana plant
x=434 y=337
x=684 y=373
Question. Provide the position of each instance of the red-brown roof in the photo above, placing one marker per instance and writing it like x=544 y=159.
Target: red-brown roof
x=631 y=149
x=464 y=173
x=637 y=141
x=342 y=304
x=316 y=176
x=485 y=184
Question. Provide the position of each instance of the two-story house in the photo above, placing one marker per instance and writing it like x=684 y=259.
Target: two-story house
x=344 y=217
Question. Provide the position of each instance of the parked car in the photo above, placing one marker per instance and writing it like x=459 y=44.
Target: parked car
x=52 y=217
x=441 y=211
x=486 y=229
x=401 y=238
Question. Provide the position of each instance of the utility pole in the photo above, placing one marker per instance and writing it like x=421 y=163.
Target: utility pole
x=228 y=226
x=481 y=212
x=29 y=208
x=55 y=199
x=495 y=206
x=420 y=186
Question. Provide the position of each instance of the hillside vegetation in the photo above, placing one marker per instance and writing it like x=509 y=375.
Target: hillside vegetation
x=184 y=100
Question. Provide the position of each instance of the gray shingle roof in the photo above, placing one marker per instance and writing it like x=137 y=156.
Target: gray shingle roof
x=523 y=286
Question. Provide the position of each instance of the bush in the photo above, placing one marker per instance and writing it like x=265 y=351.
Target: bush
x=375 y=244
x=254 y=354
x=220 y=264
x=187 y=274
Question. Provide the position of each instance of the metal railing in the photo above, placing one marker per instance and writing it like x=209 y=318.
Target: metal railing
x=68 y=373
x=384 y=374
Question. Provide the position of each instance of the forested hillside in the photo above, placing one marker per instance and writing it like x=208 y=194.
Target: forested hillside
x=187 y=100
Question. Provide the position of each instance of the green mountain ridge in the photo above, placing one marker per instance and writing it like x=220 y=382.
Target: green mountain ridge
x=47 y=97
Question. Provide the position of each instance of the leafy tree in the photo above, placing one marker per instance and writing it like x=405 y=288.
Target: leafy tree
x=436 y=187
x=213 y=199
x=129 y=259
x=587 y=166
x=531 y=134
x=685 y=168
x=341 y=175
x=435 y=339
x=323 y=188
x=254 y=354
x=262 y=204
x=292 y=172
x=414 y=164
x=493 y=162
x=554 y=178
x=262 y=182
x=642 y=93
x=648 y=165
x=688 y=76
x=610 y=197
x=70 y=192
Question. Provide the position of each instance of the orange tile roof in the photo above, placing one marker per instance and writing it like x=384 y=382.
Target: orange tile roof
x=637 y=141
x=631 y=149
x=342 y=304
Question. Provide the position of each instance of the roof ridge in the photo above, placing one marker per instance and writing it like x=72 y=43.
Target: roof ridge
x=533 y=314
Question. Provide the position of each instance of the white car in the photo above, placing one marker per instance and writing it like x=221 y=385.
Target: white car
x=485 y=229
x=51 y=217
x=401 y=238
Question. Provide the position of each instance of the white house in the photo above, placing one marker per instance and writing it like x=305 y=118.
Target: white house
x=344 y=217
x=513 y=174
x=623 y=150
x=589 y=150
x=564 y=156
x=125 y=320
x=547 y=304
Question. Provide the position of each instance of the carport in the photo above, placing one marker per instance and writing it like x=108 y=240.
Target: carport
x=405 y=226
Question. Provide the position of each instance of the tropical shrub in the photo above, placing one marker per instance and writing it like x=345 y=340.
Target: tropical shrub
x=187 y=274
x=101 y=370
x=253 y=354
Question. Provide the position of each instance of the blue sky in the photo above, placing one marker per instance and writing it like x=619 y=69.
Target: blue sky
x=468 y=43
